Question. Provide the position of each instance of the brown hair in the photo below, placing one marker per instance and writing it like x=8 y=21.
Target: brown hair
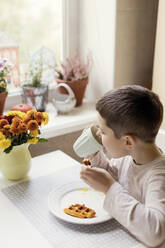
x=132 y=110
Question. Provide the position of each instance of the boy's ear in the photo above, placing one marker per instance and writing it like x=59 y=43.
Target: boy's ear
x=129 y=141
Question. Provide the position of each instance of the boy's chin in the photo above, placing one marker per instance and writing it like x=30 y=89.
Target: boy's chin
x=118 y=156
x=112 y=155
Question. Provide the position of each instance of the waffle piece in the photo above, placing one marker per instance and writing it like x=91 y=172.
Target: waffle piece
x=80 y=211
x=86 y=162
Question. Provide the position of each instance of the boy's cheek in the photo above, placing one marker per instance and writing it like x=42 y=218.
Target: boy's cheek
x=104 y=141
x=106 y=144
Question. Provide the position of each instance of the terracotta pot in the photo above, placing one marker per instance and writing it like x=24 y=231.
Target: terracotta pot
x=77 y=86
x=3 y=96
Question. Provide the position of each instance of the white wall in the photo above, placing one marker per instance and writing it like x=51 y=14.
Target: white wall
x=96 y=33
x=159 y=61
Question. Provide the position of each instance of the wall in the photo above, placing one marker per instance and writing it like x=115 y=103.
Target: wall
x=121 y=36
x=159 y=62
x=96 y=33
x=135 y=39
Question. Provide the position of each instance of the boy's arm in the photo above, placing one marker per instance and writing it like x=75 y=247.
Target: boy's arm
x=145 y=221
x=100 y=160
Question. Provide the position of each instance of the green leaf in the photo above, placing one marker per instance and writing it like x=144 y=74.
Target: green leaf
x=42 y=140
x=30 y=137
x=7 y=150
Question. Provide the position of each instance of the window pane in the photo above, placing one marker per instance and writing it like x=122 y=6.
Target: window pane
x=26 y=25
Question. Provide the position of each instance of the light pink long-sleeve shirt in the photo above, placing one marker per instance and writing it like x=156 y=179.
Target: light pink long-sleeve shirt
x=137 y=198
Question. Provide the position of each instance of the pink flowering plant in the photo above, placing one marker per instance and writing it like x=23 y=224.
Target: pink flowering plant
x=5 y=69
x=74 y=69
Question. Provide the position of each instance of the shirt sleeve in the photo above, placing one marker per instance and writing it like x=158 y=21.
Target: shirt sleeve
x=100 y=160
x=145 y=221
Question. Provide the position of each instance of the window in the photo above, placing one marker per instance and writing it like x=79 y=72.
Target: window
x=25 y=26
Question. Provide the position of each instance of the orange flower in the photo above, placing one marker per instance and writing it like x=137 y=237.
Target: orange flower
x=32 y=125
x=2 y=130
x=14 y=130
x=3 y=122
x=7 y=127
x=26 y=120
x=16 y=118
x=31 y=113
x=23 y=127
x=16 y=122
x=39 y=117
x=6 y=130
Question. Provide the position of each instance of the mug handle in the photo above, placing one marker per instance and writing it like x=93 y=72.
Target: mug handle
x=70 y=91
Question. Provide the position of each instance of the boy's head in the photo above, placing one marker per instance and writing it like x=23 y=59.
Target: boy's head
x=132 y=110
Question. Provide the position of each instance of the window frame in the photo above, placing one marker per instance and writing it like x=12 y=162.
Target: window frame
x=69 y=45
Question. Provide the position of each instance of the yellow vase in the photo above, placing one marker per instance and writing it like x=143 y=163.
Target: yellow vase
x=16 y=164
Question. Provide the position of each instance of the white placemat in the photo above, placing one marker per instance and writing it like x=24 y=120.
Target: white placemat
x=31 y=199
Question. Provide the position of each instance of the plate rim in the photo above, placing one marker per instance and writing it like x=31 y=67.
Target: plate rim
x=76 y=220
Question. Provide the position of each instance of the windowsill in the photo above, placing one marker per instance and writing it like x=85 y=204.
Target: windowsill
x=15 y=97
x=77 y=119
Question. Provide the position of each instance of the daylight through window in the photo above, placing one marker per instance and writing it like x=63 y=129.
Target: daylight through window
x=26 y=26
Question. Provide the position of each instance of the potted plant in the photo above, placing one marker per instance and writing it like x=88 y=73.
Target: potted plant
x=74 y=73
x=5 y=68
x=35 y=92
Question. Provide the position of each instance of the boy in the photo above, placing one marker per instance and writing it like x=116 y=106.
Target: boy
x=134 y=179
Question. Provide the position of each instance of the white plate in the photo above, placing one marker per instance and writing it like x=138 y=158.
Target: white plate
x=77 y=192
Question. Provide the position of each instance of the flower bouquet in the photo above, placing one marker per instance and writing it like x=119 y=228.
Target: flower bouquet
x=17 y=128
x=17 y=131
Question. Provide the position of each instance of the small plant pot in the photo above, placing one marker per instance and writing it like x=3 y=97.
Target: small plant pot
x=36 y=97
x=78 y=87
x=3 y=96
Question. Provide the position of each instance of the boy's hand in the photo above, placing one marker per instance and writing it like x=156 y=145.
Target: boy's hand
x=89 y=158
x=99 y=179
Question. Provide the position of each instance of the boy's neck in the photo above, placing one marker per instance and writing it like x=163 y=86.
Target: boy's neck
x=145 y=153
